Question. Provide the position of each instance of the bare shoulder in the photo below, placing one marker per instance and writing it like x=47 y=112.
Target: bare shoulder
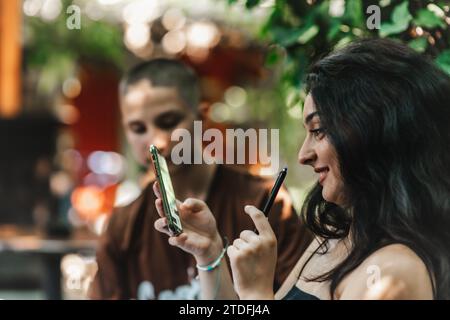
x=396 y=257
x=392 y=272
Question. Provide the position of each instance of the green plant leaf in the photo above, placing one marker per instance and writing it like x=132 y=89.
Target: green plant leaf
x=419 y=44
x=308 y=34
x=401 y=14
x=388 y=28
x=354 y=10
x=251 y=3
x=426 y=18
x=286 y=37
x=400 y=20
x=443 y=61
x=343 y=42
x=333 y=31
x=272 y=56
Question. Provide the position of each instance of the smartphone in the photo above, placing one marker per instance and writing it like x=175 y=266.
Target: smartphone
x=167 y=194
x=273 y=194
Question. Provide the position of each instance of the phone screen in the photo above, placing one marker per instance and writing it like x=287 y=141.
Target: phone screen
x=167 y=192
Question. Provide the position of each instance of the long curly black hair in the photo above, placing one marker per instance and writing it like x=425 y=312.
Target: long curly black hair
x=386 y=111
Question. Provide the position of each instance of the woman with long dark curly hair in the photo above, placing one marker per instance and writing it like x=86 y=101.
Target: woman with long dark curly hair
x=377 y=115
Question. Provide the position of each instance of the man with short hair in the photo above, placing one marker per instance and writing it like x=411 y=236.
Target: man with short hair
x=134 y=260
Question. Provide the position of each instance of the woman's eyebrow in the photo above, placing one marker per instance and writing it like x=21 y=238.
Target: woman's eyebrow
x=310 y=116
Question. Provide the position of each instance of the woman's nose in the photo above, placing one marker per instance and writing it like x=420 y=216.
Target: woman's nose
x=306 y=155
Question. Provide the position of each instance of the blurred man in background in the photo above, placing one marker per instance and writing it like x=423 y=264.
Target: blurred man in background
x=134 y=260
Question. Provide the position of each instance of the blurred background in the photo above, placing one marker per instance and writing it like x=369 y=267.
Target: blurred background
x=64 y=163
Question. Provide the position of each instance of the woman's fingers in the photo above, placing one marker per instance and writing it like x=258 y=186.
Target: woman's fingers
x=240 y=244
x=260 y=221
x=248 y=236
x=232 y=253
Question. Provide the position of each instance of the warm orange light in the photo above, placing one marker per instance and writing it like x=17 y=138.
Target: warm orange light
x=88 y=202
x=10 y=57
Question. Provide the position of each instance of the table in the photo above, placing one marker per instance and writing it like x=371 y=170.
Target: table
x=50 y=250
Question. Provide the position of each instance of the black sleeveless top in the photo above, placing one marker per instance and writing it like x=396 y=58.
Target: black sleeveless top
x=297 y=294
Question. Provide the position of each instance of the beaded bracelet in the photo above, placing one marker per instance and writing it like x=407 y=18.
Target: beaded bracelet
x=216 y=262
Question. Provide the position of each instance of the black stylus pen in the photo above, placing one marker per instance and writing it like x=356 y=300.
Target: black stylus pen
x=274 y=192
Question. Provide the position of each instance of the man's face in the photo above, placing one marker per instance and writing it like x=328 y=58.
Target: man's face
x=150 y=115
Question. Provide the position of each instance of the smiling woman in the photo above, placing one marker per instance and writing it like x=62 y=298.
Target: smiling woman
x=384 y=113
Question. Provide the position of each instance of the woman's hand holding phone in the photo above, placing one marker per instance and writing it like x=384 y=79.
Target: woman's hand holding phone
x=200 y=236
x=253 y=259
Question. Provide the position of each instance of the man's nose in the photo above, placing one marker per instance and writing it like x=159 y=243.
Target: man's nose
x=160 y=141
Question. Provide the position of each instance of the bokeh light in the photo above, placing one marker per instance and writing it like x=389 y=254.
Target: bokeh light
x=71 y=87
x=137 y=36
x=174 y=41
x=51 y=9
x=32 y=7
x=61 y=183
x=88 y=202
x=141 y=12
x=220 y=112
x=235 y=96
x=110 y=163
x=94 y=11
x=202 y=34
x=173 y=19
x=68 y=114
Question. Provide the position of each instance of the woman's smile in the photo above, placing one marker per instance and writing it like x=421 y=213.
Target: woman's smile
x=322 y=173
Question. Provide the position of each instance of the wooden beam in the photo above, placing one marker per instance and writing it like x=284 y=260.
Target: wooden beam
x=10 y=57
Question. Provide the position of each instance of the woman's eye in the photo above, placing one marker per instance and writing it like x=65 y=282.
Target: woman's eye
x=168 y=122
x=318 y=133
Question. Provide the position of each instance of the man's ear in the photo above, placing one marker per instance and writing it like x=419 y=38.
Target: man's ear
x=203 y=110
